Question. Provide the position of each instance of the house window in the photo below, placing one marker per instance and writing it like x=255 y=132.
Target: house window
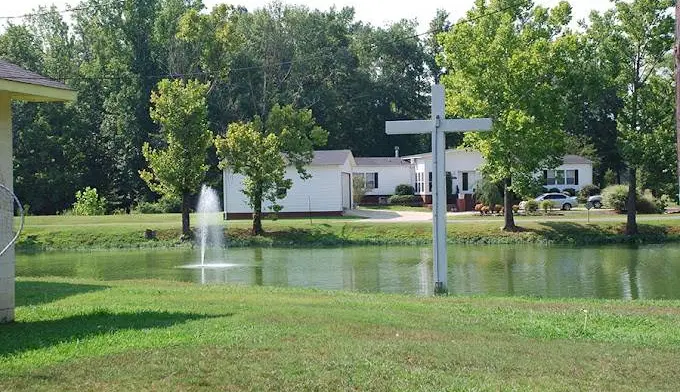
x=466 y=181
x=420 y=183
x=572 y=177
x=371 y=180
x=430 y=183
x=557 y=177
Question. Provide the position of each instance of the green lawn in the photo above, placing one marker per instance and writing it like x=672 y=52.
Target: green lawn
x=155 y=335
x=127 y=231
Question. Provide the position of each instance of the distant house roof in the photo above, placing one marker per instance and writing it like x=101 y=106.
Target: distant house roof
x=380 y=161
x=30 y=86
x=576 y=159
x=331 y=157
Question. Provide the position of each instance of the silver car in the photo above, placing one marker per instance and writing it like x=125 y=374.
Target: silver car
x=559 y=200
x=595 y=201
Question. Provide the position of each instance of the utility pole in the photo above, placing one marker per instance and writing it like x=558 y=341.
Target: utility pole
x=677 y=89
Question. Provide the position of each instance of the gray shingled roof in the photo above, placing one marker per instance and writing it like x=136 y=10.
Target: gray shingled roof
x=9 y=71
x=330 y=157
x=379 y=161
x=576 y=159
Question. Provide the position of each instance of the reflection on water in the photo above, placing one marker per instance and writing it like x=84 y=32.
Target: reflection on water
x=600 y=272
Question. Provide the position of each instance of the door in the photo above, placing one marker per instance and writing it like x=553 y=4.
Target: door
x=346 y=189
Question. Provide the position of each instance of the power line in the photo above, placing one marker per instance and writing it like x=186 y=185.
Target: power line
x=64 y=11
x=173 y=75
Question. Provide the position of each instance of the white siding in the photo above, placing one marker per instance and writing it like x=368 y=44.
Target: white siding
x=585 y=175
x=388 y=177
x=322 y=191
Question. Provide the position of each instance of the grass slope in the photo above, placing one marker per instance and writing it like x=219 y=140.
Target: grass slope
x=152 y=335
x=127 y=231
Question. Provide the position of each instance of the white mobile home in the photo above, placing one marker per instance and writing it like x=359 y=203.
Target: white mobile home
x=327 y=192
x=382 y=175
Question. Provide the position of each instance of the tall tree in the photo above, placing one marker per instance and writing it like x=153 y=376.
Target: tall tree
x=178 y=169
x=502 y=62
x=260 y=150
x=641 y=34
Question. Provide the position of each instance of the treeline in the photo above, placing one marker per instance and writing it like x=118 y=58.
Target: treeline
x=353 y=77
x=606 y=91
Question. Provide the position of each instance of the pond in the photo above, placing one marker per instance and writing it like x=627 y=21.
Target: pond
x=649 y=272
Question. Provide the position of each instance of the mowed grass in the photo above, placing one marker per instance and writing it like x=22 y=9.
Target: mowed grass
x=167 y=336
x=127 y=231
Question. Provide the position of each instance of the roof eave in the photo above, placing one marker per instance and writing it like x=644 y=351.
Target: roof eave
x=36 y=93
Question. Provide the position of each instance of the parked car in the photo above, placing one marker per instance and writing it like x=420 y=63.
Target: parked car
x=595 y=201
x=559 y=200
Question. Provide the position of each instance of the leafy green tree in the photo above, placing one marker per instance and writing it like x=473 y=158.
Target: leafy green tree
x=178 y=168
x=641 y=37
x=88 y=202
x=260 y=150
x=502 y=62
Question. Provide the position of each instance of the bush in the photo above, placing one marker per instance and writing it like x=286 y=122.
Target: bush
x=515 y=208
x=405 y=200
x=404 y=190
x=587 y=191
x=570 y=191
x=546 y=205
x=531 y=206
x=646 y=205
x=488 y=193
x=88 y=202
x=615 y=197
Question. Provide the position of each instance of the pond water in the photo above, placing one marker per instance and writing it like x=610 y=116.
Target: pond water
x=650 y=272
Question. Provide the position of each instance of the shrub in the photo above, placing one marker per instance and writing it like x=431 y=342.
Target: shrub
x=88 y=202
x=358 y=188
x=570 y=191
x=515 y=208
x=488 y=193
x=662 y=203
x=546 y=205
x=615 y=197
x=405 y=200
x=498 y=208
x=587 y=191
x=531 y=206
x=404 y=190
x=646 y=205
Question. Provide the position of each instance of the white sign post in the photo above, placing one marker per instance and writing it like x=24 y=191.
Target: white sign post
x=438 y=126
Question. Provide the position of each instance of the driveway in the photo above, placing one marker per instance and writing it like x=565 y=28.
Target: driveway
x=388 y=216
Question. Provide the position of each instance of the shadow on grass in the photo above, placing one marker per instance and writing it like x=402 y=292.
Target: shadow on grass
x=36 y=293
x=24 y=336
x=578 y=233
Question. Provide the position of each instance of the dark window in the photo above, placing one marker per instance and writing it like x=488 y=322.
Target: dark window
x=430 y=187
x=465 y=182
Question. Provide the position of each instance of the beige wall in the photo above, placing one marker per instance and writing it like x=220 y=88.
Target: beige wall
x=6 y=260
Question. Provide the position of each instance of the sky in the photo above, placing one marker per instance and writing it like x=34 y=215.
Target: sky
x=378 y=13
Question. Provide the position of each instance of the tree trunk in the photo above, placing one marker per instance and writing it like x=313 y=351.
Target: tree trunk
x=507 y=205
x=186 y=228
x=257 y=214
x=631 y=224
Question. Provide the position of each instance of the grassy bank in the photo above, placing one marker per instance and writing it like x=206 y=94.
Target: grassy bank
x=68 y=232
x=154 y=335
